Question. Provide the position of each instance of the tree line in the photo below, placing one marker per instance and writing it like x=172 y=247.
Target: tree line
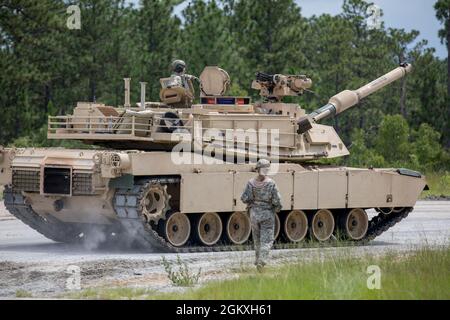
x=47 y=67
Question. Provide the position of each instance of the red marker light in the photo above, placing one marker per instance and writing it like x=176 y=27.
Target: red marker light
x=211 y=101
x=240 y=101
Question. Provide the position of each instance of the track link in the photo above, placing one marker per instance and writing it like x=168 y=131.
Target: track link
x=50 y=226
x=127 y=206
x=52 y=229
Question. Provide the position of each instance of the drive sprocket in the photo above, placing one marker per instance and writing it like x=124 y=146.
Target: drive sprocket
x=154 y=201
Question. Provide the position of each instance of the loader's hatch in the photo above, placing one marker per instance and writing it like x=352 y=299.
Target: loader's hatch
x=57 y=180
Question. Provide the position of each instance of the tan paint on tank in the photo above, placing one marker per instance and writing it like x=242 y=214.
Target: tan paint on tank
x=362 y=184
x=6 y=157
x=306 y=188
x=332 y=188
x=83 y=209
x=405 y=190
x=204 y=192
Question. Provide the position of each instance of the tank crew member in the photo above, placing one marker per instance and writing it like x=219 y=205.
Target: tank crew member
x=263 y=200
x=179 y=76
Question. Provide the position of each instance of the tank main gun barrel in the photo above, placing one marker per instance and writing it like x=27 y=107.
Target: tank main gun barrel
x=348 y=98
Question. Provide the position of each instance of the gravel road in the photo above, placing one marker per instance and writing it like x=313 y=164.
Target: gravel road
x=31 y=263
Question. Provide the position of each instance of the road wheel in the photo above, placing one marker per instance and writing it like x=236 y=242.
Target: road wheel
x=177 y=229
x=322 y=225
x=277 y=227
x=354 y=224
x=238 y=227
x=209 y=228
x=295 y=226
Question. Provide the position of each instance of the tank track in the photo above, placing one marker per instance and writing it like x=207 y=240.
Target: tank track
x=49 y=226
x=52 y=229
x=126 y=204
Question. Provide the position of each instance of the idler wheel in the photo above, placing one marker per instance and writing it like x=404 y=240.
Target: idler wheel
x=354 y=224
x=177 y=229
x=322 y=225
x=238 y=227
x=295 y=226
x=209 y=228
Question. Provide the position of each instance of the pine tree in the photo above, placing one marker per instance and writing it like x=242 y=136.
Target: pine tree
x=205 y=37
x=156 y=42
x=30 y=55
x=442 y=8
x=269 y=34
x=443 y=14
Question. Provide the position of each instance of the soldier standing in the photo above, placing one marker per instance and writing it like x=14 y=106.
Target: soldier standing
x=263 y=201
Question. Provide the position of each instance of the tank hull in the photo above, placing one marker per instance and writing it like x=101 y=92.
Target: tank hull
x=122 y=192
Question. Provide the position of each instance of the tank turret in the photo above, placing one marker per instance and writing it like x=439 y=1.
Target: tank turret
x=222 y=124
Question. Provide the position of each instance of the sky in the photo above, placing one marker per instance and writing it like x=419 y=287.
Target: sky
x=406 y=14
x=401 y=14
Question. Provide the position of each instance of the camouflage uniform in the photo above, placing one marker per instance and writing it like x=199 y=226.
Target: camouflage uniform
x=178 y=77
x=263 y=201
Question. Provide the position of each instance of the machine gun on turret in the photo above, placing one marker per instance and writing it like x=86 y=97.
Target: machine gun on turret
x=275 y=87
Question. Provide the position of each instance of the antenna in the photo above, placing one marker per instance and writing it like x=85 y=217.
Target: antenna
x=143 y=84
x=127 y=93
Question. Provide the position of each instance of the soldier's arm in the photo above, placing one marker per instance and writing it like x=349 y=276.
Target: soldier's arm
x=276 y=198
x=247 y=195
x=191 y=77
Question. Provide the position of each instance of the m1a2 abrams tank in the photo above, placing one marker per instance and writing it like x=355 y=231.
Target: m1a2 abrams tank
x=168 y=175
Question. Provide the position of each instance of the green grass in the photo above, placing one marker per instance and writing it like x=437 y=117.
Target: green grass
x=422 y=274
x=439 y=184
x=182 y=277
x=23 y=294
x=112 y=293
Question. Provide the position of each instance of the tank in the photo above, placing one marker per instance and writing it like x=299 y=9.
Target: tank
x=168 y=175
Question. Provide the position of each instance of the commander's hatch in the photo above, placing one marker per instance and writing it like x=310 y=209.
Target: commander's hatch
x=214 y=83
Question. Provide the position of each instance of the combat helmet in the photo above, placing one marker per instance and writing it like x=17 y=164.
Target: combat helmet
x=178 y=66
x=262 y=163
